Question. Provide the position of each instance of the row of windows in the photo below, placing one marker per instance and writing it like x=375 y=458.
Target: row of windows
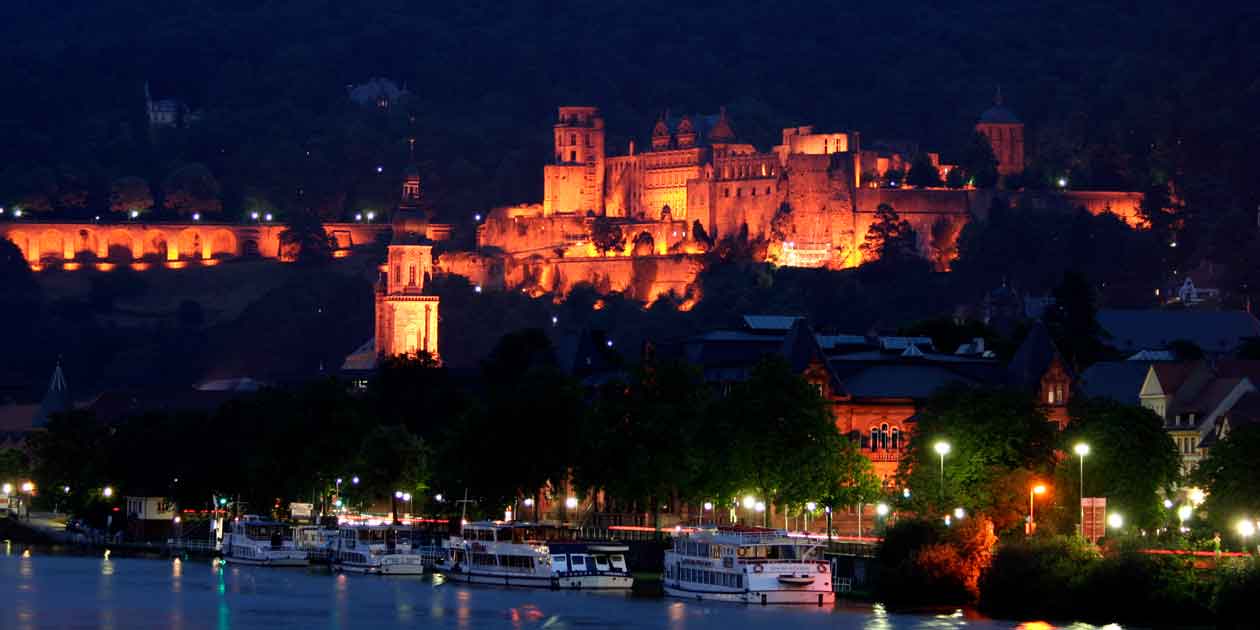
x=586 y=139
x=884 y=438
x=739 y=191
x=701 y=576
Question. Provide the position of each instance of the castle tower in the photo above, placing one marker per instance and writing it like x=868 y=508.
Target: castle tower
x=406 y=318
x=661 y=139
x=686 y=135
x=574 y=183
x=411 y=187
x=1006 y=135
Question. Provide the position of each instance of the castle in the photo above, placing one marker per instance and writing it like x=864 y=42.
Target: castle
x=810 y=200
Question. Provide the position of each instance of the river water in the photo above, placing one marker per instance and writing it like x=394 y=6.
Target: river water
x=53 y=590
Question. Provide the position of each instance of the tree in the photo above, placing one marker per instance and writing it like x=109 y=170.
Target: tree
x=780 y=441
x=956 y=178
x=20 y=294
x=304 y=239
x=999 y=441
x=393 y=459
x=128 y=194
x=1073 y=321
x=1228 y=474
x=923 y=173
x=1131 y=459
x=74 y=451
x=979 y=163
x=889 y=237
x=607 y=236
x=191 y=189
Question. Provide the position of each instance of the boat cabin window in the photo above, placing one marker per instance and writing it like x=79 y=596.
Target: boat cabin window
x=769 y=552
x=559 y=563
x=601 y=563
x=578 y=562
x=517 y=562
x=618 y=561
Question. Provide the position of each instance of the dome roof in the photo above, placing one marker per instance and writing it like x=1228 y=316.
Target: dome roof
x=998 y=114
x=721 y=130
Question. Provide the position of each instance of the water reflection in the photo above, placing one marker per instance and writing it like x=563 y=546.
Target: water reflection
x=115 y=592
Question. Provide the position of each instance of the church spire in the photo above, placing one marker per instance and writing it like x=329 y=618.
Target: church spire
x=997 y=96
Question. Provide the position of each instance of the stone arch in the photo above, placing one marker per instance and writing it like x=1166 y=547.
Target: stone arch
x=22 y=241
x=51 y=244
x=85 y=242
x=121 y=246
x=156 y=245
x=223 y=243
x=193 y=243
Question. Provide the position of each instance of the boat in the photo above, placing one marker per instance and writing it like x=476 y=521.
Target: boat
x=533 y=555
x=379 y=549
x=316 y=541
x=258 y=542
x=748 y=566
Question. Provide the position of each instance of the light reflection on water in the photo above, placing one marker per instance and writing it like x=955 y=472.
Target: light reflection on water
x=105 y=592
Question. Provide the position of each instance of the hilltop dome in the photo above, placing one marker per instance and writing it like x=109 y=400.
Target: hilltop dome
x=999 y=114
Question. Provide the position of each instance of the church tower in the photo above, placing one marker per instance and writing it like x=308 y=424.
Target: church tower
x=1005 y=134
x=406 y=318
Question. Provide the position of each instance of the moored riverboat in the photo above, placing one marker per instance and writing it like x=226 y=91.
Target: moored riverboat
x=748 y=566
x=382 y=549
x=531 y=555
x=258 y=542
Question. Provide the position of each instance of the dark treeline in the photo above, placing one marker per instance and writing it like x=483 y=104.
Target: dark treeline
x=651 y=437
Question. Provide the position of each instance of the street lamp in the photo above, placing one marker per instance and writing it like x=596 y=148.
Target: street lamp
x=1032 y=520
x=571 y=503
x=1082 y=449
x=1115 y=520
x=942 y=449
x=881 y=509
x=107 y=492
x=6 y=489
x=761 y=509
x=708 y=507
x=28 y=487
x=959 y=514
x=1183 y=514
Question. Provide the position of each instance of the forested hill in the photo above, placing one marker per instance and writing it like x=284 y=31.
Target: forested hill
x=1116 y=94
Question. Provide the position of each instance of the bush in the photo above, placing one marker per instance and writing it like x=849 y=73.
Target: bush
x=1036 y=578
x=924 y=563
x=1236 y=592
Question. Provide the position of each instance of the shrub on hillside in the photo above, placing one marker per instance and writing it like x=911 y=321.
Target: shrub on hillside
x=925 y=563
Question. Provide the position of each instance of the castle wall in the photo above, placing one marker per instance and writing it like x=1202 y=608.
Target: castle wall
x=173 y=244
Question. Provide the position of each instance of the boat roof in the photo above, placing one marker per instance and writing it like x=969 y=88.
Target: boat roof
x=746 y=536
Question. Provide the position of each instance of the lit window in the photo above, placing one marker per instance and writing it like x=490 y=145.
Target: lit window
x=572 y=139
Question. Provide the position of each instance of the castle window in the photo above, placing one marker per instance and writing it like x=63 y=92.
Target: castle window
x=411 y=276
x=883 y=436
x=874 y=438
x=896 y=439
x=572 y=156
x=572 y=139
x=397 y=274
x=726 y=192
x=754 y=191
x=587 y=137
x=739 y=192
x=767 y=190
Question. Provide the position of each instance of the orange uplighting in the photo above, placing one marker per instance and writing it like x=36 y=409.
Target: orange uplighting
x=341 y=253
x=36 y=267
x=140 y=266
x=71 y=266
x=1039 y=489
x=209 y=262
x=176 y=264
x=105 y=266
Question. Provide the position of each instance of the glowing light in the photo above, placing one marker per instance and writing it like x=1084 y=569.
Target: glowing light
x=176 y=264
x=554 y=320
x=905 y=493
x=811 y=506
x=107 y=492
x=1185 y=512
x=70 y=266
x=196 y=216
x=371 y=215
x=355 y=480
x=881 y=509
x=1039 y=489
x=65 y=489
x=337 y=503
x=438 y=497
x=28 y=487
x=17 y=213
x=1081 y=449
x=380 y=169
x=1115 y=520
x=1246 y=528
x=209 y=262
x=7 y=488
x=477 y=288
x=176 y=519
x=267 y=217
x=708 y=506
x=1168 y=504
x=529 y=503
x=358 y=216
x=959 y=513
x=104 y=266
x=760 y=507
x=140 y=266
x=1197 y=496
x=942 y=448
x=609 y=343
x=398 y=494
x=1062 y=182
x=135 y=213
x=406 y=496
x=571 y=502
x=253 y=215
x=749 y=502
x=476 y=217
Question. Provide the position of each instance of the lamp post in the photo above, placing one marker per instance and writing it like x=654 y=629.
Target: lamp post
x=810 y=507
x=1183 y=514
x=1032 y=519
x=1082 y=449
x=708 y=508
x=942 y=449
x=760 y=507
x=1246 y=529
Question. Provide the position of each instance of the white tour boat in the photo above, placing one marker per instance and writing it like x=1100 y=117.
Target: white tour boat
x=523 y=554
x=380 y=549
x=316 y=541
x=750 y=566
x=262 y=543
